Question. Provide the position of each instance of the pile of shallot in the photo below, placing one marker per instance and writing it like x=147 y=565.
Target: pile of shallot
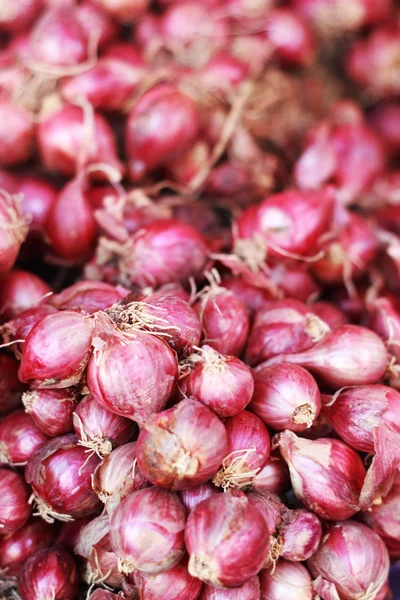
x=199 y=299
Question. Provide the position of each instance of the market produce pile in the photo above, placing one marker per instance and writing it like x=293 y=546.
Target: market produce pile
x=199 y=299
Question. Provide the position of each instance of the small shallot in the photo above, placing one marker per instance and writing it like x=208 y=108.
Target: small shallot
x=147 y=531
x=49 y=573
x=327 y=476
x=227 y=540
x=286 y=580
x=15 y=509
x=51 y=410
x=20 y=437
x=182 y=447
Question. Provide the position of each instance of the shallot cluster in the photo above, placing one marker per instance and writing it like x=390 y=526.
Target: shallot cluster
x=199 y=299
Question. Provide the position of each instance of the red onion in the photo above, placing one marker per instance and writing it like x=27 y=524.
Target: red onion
x=107 y=85
x=186 y=168
x=58 y=39
x=150 y=144
x=295 y=281
x=38 y=197
x=17 y=134
x=18 y=16
x=224 y=318
x=65 y=143
x=19 y=438
x=348 y=355
x=118 y=476
x=60 y=475
x=124 y=11
x=223 y=72
x=251 y=296
x=248 y=591
x=131 y=375
x=101 y=594
x=285 y=397
x=223 y=383
x=13 y=227
x=274 y=477
x=227 y=540
x=51 y=410
x=49 y=573
x=147 y=30
x=371 y=61
x=57 y=350
x=15 y=549
x=283 y=325
x=327 y=476
x=20 y=290
x=300 y=535
x=384 y=519
x=163 y=313
x=351 y=562
x=368 y=418
x=181 y=447
x=101 y=562
x=88 y=296
x=384 y=319
x=289 y=223
x=98 y=429
x=17 y=329
x=8 y=182
x=71 y=226
x=286 y=580
x=193 y=496
x=330 y=314
x=147 y=531
x=15 y=509
x=350 y=254
x=248 y=451
x=175 y=583
x=70 y=531
x=10 y=386
x=192 y=26
x=291 y=37
x=91 y=16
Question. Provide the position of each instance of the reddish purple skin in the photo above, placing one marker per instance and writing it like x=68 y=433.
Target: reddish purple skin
x=15 y=509
x=49 y=573
x=20 y=437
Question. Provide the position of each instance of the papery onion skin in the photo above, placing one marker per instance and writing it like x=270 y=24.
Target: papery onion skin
x=118 y=476
x=223 y=383
x=329 y=313
x=148 y=143
x=182 y=447
x=225 y=321
x=348 y=355
x=61 y=153
x=134 y=378
x=351 y=561
x=19 y=438
x=191 y=497
x=291 y=37
x=271 y=508
x=49 y=573
x=292 y=221
x=327 y=476
x=300 y=535
x=15 y=509
x=10 y=386
x=97 y=21
x=51 y=410
x=274 y=477
x=60 y=475
x=285 y=397
x=356 y=413
x=14 y=229
x=19 y=327
x=16 y=548
x=280 y=326
x=175 y=583
x=247 y=453
x=227 y=540
x=164 y=252
x=70 y=531
x=38 y=197
x=248 y=591
x=288 y=580
x=56 y=350
x=252 y=297
x=99 y=429
x=147 y=531
x=18 y=17
x=20 y=290
x=384 y=518
x=124 y=11
x=88 y=296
